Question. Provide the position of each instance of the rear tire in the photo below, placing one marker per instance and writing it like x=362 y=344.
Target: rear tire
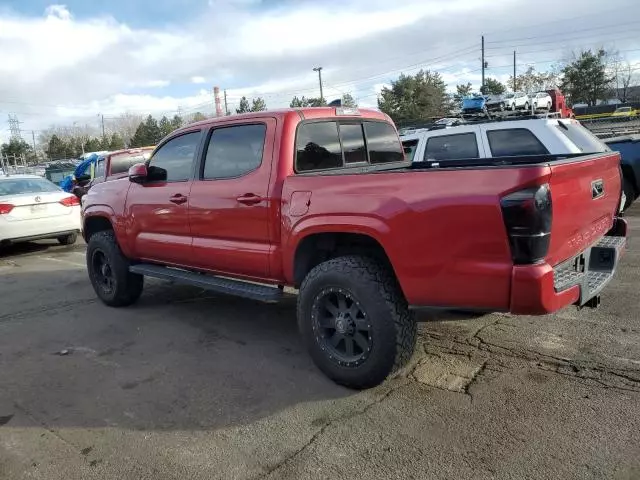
x=526 y=107
x=68 y=239
x=109 y=272
x=355 y=321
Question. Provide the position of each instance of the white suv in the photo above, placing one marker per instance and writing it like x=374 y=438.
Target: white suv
x=541 y=100
x=517 y=100
x=508 y=138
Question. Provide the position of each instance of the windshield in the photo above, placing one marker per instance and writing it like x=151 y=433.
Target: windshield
x=18 y=186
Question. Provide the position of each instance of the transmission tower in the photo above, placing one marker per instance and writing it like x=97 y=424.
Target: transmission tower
x=14 y=127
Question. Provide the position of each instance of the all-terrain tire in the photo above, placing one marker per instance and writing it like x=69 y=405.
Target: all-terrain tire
x=68 y=239
x=392 y=324
x=126 y=287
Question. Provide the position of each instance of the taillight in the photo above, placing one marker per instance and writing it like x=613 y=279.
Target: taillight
x=5 y=208
x=527 y=215
x=70 y=201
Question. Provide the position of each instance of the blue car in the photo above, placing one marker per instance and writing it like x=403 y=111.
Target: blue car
x=474 y=104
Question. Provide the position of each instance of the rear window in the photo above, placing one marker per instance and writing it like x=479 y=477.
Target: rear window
x=582 y=138
x=330 y=144
x=513 y=142
x=17 y=186
x=121 y=163
x=452 y=147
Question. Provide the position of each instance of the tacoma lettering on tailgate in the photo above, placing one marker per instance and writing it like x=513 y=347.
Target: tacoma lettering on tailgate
x=581 y=240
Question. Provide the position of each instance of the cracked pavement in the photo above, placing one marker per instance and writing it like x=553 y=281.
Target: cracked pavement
x=189 y=384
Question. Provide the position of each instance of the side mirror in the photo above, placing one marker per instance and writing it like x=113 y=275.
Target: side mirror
x=138 y=173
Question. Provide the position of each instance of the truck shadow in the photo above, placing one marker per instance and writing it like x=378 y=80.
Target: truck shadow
x=181 y=358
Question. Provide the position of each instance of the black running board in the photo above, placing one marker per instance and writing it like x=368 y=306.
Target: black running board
x=226 y=286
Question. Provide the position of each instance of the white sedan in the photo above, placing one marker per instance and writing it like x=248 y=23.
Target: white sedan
x=33 y=208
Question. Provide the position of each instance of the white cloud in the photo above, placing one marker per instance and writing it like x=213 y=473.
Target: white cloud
x=58 y=68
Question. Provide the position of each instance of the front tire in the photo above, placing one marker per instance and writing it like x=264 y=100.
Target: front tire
x=68 y=239
x=109 y=272
x=355 y=321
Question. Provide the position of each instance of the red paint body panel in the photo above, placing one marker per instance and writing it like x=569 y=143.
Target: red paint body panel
x=442 y=229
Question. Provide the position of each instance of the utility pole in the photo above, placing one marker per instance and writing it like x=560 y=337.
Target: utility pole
x=515 y=84
x=483 y=66
x=33 y=137
x=102 y=116
x=226 y=110
x=319 y=70
x=14 y=127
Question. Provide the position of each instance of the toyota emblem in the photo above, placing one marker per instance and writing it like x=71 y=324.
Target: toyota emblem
x=38 y=199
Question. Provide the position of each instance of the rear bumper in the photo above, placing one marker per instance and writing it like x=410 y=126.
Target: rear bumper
x=542 y=289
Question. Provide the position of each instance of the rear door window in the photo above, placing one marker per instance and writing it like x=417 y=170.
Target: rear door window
x=410 y=147
x=513 y=142
x=452 y=147
x=383 y=143
x=318 y=146
x=234 y=151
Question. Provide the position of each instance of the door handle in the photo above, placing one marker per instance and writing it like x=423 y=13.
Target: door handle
x=249 y=199
x=178 y=199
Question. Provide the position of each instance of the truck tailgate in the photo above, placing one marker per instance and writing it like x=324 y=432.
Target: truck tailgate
x=585 y=196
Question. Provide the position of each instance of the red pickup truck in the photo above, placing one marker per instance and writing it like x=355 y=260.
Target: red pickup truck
x=323 y=200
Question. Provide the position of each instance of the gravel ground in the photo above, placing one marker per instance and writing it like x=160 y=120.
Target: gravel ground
x=188 y=384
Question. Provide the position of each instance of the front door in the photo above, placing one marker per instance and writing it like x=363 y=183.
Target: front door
x=157 y=209
x=229 y=202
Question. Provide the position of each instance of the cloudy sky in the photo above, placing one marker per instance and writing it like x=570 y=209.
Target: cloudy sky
x=68 y=63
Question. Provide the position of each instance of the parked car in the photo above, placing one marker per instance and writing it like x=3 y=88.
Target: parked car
x=629 y=148
x=508 y=138
x=496 y=102
x=473 y=104
x=541 y=100
x=33 y=208
x=115 y=165
x=625 y=112
x=517 y=100
x=323 y=200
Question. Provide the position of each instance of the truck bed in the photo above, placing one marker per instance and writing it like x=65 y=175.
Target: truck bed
x=443 y=228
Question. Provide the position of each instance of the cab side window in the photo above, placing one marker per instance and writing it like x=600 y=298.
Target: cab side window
x=173 y=161
x=234 y=151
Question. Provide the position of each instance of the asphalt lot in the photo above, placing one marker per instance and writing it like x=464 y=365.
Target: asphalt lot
x=190 y=385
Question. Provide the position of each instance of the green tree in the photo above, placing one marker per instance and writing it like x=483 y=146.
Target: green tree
x=316 y=102
x=244 y=106
x=585 y=80
x=139 y=138
x=415 y=97
x=92 y=145
x=116 y=142
x=347 y=100
x=258 y=105
x=299 y=102
x=57 y=148
x=198 y=117
x=16 y=147
x=165 y=126
x=462 y=91
x=493 y=87
x=176 y=122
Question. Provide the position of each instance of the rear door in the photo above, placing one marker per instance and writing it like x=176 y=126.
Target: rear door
x=156 y=210
x=229 y=207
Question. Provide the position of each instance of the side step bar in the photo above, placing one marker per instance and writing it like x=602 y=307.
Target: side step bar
x=226 y=286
